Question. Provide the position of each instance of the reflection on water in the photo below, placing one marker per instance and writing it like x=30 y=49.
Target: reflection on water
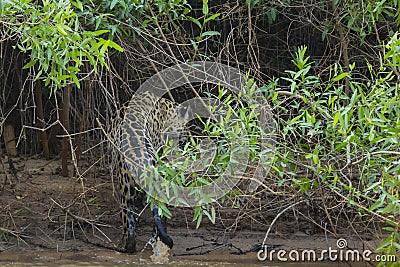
x=176 y=263
x=107 y=258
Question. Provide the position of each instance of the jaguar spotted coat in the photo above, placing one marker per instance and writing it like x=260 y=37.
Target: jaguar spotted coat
x=136 y=139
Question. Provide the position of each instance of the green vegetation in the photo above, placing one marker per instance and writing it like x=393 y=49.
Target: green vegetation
x=329 y=71
x=208 y=166
x=348 y=144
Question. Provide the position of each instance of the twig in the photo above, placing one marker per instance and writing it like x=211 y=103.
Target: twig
x=396 y=153
x=219 y=246
x=366 y=209
x=276 y=218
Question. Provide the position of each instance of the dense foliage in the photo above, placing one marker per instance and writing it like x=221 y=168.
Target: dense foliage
x=329 y=70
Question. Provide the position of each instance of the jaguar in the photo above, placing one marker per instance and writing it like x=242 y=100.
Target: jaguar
x=136 y=138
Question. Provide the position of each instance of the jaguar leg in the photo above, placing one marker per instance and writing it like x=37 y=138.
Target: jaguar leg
x=160 y=230
x=131 y=220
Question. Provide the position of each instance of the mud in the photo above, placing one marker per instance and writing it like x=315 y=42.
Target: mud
x=49 y=220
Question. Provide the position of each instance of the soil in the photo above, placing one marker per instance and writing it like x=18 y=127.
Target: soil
x=47 y=218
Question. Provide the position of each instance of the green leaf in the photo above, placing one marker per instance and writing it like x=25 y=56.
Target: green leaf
x=197 y=211
x=99 y=32
x=397 y=245
x=389 y=228
x=252 y=3
x=384 y=244
x=116 y=46
x=340 y=76
x=295 y=119
x=97 y=45
x=63 y=77
x=315 y=159
x=205 y=7
x=210 y=217
x=164 y=211
x=210 y=33
x=47 y=81
x=308 y=156
x=194 y=44
x=195 y=21
x=38 y=74
x=213 y=214
x=77 y=4
x=211 y=18
x=335 y=119
x=75 y=79
x=199 y=220
x=113 y=3
x=29 y=64
x=271 y=15
x=60 y=29
x=353 y=98
x=104 y=47
x=74 y=69
x=389 y=208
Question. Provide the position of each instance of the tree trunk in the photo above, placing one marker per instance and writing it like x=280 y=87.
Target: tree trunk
x=42 y=135
x=344 y=47
x=65 y=121
x=9 y=140
x=82 y=125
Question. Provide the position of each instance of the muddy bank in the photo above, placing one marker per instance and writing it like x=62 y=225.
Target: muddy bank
x=49 y=219
x=84 y=254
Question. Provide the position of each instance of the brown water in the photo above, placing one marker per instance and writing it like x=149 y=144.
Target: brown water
x=66 y=245
x=107 y=258
x=87 y=255
x=67 y=263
